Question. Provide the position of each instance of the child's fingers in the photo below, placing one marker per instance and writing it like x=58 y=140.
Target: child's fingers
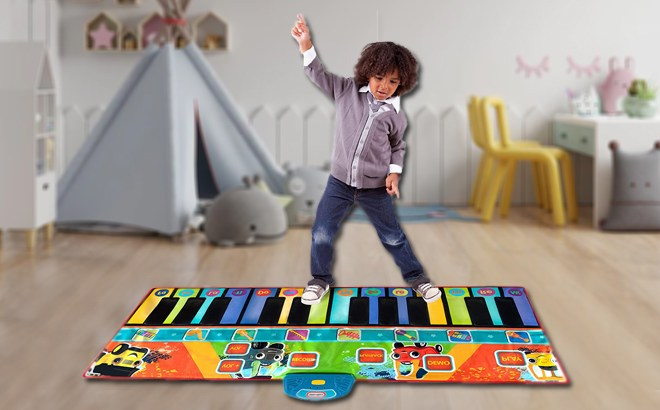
x=301 y=24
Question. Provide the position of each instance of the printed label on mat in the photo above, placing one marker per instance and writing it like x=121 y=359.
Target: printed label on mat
x=230 y=366
x=438 y=363
x=372 y=356
x=510 y=358
x=303 y=360
x=238 y=349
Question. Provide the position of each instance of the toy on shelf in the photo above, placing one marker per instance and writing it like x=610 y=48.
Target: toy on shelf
x=129 y=41
x=586 y=103
x=616 y=84
x=641 y=100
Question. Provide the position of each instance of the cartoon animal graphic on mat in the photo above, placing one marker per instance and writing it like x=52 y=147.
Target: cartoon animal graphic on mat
x=408 y=360
x=542 y=365
x=123 y=360
x=263 y=360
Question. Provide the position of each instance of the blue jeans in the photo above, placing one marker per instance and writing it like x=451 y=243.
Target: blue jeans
x=335 y=205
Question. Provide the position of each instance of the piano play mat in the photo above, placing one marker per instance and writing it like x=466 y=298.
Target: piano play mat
x=470 y=335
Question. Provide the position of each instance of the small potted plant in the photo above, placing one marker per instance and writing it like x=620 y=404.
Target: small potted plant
x=641 y=100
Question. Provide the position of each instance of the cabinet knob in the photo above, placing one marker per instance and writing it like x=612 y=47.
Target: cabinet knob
x=563 y=135
x=584 y=140
x=45 y=186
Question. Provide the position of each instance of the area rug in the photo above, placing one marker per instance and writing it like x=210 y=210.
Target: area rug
x=378 y=334
x=422 y=213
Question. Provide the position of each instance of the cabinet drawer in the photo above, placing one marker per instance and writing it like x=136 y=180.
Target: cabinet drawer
x=575 y=138
x=45 y=202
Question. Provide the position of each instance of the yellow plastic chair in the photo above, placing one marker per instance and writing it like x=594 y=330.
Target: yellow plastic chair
x=487 y=161
x=506 y=155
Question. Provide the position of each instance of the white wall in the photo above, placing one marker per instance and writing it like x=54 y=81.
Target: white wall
x=464 y=47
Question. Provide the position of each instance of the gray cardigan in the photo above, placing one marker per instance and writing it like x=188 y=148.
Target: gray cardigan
x=384 y=144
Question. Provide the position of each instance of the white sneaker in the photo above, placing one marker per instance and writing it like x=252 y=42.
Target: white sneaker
x=427 y=291
x=313 y=294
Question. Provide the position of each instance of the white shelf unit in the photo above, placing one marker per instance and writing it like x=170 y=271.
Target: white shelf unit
x=27 y=140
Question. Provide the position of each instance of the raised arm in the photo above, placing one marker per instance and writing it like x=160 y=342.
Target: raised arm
x=331 y=84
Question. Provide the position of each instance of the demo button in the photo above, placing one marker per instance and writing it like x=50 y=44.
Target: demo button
x=438 y=363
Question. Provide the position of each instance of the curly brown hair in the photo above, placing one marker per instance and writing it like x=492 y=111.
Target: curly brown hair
x=384 y=57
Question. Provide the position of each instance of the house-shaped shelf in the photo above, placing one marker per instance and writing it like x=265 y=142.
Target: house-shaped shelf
x=151 y=29
x=103 y=33
x=211 y=33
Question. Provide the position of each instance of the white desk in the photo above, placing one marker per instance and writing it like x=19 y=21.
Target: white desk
x=591 y=136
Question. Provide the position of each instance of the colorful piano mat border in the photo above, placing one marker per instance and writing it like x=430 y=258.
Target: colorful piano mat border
x=470 y=335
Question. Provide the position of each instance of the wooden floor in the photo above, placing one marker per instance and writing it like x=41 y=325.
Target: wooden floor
x=597 y=294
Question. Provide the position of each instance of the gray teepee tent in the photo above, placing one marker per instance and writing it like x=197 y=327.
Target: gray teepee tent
x=139 y=167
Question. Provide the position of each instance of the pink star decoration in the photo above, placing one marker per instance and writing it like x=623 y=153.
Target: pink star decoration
x=102 y=36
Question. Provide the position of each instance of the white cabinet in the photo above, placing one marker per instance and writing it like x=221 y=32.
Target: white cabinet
x=27 y=140
x=591 y=136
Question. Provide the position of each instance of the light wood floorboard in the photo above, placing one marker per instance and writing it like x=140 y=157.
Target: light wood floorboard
x=597 y=295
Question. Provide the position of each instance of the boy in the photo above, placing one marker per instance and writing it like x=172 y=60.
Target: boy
x=367 y=158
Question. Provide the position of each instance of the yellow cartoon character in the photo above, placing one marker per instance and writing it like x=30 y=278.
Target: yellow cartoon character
x=124 y=360
x=542 y=365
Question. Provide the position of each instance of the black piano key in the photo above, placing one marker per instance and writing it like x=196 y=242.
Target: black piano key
x=478 y=311
x=388 y=312
x=188 y=311
x=418 y=312
x=358 y=311
x=508 y=312
x=271 y=311
x=299 y=313
x=215 y=311
x=161 y=311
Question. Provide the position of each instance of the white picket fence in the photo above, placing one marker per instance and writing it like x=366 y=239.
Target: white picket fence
x=441 y=159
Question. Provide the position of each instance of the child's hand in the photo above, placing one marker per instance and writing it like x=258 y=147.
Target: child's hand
x=392 y=184
x=300 y=33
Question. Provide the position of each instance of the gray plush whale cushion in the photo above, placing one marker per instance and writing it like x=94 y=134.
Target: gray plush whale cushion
x=635 y=204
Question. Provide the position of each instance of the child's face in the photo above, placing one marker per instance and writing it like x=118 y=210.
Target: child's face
x=383 y=86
